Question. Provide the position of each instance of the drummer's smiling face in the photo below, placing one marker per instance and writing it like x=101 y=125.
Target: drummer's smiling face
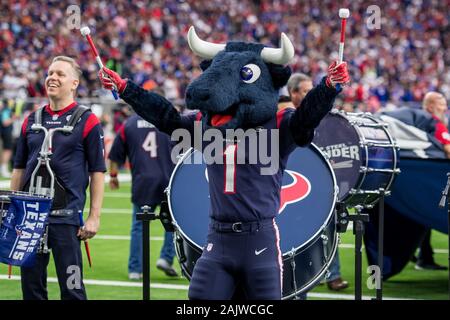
x=61 y=81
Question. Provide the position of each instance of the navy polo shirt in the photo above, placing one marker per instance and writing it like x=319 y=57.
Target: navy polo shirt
x=74 y=155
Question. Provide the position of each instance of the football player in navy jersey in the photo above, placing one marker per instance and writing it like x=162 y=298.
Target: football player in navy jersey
x=77 y=158
x=148 y=151
x=239 y=90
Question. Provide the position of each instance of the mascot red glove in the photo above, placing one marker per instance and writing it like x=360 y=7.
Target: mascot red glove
x=337 y=74
x=111 y=80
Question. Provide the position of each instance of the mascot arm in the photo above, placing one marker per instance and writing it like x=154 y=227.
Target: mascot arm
x=155 y=109
x=317 y=103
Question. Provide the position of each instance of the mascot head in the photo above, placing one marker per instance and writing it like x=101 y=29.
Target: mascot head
x=240 y=82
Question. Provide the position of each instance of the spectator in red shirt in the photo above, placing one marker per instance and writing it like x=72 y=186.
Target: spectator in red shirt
x=436 y=104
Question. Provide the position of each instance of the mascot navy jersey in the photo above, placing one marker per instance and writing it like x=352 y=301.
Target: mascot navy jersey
x=151 y=159
x=239 y=191
x=74 y=155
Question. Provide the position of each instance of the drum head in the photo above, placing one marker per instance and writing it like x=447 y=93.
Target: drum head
x=307 y=198
x=337 y=138
x=306 y=211
x=189 y=202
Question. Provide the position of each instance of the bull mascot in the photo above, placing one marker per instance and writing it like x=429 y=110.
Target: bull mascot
x=238 y=89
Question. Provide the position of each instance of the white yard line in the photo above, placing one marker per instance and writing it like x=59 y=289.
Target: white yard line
x=348 y=296
x=352 y=246
x=124 y=178
x=114 y=237
x=126 y=195
x=111 y=283
x=114 y=210
x=341 y=245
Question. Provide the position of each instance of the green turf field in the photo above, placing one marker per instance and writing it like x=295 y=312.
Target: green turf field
x=108 y=277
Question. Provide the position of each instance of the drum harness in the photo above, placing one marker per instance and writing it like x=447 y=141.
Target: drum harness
x=39 y=177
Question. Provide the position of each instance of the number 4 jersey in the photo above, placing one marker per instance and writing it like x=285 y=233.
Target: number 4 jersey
x=148 y=151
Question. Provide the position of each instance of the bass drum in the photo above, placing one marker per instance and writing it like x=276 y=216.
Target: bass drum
x=306 y=217
x=363 y=155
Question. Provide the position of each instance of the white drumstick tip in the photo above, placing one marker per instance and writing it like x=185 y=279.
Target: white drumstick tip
x=85 y=31
x=344 y=13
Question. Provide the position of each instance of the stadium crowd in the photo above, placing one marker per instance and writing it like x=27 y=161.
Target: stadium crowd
x=145 y=41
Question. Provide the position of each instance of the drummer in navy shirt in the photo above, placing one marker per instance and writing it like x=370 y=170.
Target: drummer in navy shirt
x=148 y=151
x=76 y=158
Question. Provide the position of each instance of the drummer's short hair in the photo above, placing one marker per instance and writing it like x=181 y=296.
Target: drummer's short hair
x=75 y=66
x=295 y=80
x=431 y=96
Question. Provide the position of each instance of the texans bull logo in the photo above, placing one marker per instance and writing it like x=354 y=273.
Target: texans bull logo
x=296 y=191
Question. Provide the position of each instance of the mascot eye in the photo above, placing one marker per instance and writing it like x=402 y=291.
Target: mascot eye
x=250 y=73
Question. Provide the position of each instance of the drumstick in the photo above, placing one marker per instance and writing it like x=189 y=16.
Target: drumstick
x=88 y=253
x=343 y=14
x=86 y=244
x=85 y=32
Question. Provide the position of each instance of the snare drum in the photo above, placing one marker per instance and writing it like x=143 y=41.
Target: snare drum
x=363 y=155
x=306 y=217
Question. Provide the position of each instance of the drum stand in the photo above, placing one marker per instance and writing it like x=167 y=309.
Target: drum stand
x=358 y=230
x=146 y=216
x=446 y=199
x=379 y=282
x=358 y=220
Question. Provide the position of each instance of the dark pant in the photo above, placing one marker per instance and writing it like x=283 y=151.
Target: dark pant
x=250 y=260
x=425 y=249
x=65 y=248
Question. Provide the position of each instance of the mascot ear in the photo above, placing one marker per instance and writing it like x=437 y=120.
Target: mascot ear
x=205 y=64
x=280 y=75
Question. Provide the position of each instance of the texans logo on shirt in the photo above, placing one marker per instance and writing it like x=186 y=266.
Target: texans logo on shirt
x=296 y=191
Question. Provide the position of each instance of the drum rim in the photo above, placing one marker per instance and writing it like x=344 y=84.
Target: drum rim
x=179 y=230
x=305 y=243
x=395 y=149
x=320 y=274
x=362 y=140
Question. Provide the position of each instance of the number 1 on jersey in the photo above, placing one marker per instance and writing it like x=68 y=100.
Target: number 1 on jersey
x=150 y=145
x=230 y=169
